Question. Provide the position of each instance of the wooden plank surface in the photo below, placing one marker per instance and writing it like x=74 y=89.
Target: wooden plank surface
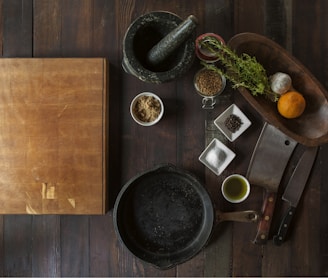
x=53 y=136
x=16 y=229
x=87 y=245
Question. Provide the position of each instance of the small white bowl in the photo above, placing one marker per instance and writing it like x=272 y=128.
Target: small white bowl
x=135 y=116
x=235 y=188
x=216 y=156
x=220 y=122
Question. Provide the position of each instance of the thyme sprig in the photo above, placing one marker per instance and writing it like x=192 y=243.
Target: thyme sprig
x=242 y=70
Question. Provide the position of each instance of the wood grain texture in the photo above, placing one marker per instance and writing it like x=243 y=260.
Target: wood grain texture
x=1 y=29
x=18 y=245
x=83 y=245
x=17 y=28
x=17 y=230
x=52 y=136
x=47 y=29
x=46 y=246
x=2 y=256
x=249 y=15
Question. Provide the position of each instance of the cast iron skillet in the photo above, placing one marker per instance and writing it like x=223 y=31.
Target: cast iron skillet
x=164 y=216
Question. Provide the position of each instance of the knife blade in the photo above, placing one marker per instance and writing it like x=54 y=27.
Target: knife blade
x=294 y=190
x=278 y=147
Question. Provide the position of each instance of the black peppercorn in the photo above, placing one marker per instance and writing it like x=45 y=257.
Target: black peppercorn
x=233 y=122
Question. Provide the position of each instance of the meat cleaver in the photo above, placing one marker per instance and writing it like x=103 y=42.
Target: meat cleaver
x=294 y=190
x=267 y=166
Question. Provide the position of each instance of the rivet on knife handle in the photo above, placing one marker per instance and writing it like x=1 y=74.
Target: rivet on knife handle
x=265 y=222
x=285 y=223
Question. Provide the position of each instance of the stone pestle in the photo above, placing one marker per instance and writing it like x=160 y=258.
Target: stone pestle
x=166 y=46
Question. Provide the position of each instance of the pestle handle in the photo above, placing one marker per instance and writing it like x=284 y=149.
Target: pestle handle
x=172 y=41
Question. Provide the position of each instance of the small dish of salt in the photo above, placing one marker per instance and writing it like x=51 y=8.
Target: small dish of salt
x=232 y=122
x=216 y=156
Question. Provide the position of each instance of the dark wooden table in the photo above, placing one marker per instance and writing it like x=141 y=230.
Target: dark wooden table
x=87 y=245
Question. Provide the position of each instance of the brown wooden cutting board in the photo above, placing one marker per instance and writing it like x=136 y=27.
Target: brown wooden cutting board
x=53 y=126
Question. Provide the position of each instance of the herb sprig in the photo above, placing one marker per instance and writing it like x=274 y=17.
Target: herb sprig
x=242 y=71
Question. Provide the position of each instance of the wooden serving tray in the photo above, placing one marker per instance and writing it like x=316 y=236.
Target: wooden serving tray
x=53 y=126
x=311 y=128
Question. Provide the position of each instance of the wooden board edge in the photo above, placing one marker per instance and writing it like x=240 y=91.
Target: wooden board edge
x=105 y=207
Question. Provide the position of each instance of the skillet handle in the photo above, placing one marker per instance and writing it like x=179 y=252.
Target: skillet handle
x=250 y=216
x=263 y=228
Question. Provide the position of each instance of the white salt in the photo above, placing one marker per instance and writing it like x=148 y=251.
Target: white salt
x=215 y=157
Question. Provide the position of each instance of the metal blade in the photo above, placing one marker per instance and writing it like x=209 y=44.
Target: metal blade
x=270 y=157
x=297 y=182
x=294 y=191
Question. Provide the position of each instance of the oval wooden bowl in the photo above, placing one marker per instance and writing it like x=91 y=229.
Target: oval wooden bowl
x=311 y=128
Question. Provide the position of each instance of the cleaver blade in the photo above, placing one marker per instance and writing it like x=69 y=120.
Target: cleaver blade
x=269 y=160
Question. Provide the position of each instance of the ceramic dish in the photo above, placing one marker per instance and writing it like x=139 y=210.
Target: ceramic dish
x=220 y=122
x=216 y=156
x=136 y=116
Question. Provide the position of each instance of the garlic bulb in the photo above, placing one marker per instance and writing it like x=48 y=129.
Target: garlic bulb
x=280 y=82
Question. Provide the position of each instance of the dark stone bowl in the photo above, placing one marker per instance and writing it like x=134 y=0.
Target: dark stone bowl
x=145 y=32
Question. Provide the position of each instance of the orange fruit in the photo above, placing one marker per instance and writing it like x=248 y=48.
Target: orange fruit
x=291 y=104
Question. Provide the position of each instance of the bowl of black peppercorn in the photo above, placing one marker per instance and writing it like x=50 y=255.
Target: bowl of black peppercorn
x=232 y=122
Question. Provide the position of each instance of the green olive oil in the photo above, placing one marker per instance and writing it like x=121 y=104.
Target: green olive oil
x=235 y=188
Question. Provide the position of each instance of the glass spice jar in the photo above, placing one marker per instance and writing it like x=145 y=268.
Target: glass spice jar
x=209 y=84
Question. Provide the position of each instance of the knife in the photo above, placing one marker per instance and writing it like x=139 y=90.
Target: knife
x=294 y=190
x=269 y=159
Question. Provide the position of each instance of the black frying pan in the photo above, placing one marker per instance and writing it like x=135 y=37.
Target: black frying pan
x=165 y=216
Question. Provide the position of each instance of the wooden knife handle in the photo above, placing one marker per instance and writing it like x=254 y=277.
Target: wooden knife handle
x=279 y=238
x=263 y=228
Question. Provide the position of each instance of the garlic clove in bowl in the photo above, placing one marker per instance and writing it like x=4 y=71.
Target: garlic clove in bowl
x=280 y=83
